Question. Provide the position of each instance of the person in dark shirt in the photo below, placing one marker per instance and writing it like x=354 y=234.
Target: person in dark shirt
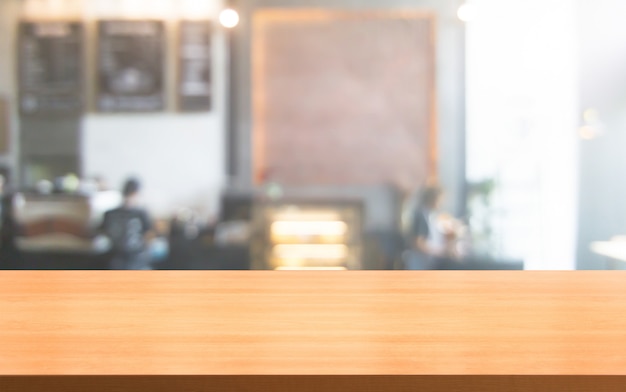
x=129 y=228
x=428 y=244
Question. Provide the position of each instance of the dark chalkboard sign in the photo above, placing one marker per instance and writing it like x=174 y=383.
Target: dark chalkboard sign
x=131 y=66
x=195 y=79
x=50 y=67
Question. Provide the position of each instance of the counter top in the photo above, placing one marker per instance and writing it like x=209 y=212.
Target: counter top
x=312 y=323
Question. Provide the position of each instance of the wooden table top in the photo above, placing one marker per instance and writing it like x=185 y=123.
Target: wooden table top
x=330 y=323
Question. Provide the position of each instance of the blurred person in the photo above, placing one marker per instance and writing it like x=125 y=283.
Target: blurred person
x=432 y=235
x=129 y=230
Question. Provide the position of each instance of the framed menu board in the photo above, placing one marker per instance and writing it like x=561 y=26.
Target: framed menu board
x=50 y=67
x=130 y=66
x=195 y=81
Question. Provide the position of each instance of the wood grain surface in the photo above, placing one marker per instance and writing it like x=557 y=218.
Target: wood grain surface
x=312 y=323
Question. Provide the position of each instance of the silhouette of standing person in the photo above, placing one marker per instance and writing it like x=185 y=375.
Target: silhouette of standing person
x=129 y=229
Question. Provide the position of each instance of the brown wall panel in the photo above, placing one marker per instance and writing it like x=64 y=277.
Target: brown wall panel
x=344 y=97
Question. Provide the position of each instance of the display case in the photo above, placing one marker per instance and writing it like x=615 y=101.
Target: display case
x=307 y=234
x=60 y=222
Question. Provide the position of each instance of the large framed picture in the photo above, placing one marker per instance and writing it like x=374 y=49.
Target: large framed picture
x=50 y=56
x=378 y=124
x=195 y=82
x=131 y=66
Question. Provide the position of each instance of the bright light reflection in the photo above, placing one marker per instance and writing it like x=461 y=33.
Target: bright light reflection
x=306 y=216
x=311 y=251
x=196 y=9
x=311 y=269
x=467 y=12
x=229 y=18
x=309 y=228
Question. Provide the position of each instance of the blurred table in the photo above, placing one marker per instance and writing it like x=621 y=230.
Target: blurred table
x=313 y=331
x=615 y=250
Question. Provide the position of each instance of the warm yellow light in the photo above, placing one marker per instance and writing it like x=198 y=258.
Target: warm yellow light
x=311 y=215
x=51 y=9
x=196 y=9
x=229 y=18
x=311 y=252
x=591 y=116
x=133 y=8
x=56 y=6
x=587 y=132
x=309 y=228
x=311 y=269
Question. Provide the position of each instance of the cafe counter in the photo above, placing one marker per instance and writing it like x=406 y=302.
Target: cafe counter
x=306 y=331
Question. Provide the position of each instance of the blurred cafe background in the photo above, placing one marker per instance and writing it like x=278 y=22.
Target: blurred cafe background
x=313 y=134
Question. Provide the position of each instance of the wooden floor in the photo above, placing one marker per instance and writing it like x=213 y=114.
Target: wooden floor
x=408 y=324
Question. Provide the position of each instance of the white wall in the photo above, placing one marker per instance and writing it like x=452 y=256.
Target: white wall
x=180 y=159
x=522 y=111
x=602 y=158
